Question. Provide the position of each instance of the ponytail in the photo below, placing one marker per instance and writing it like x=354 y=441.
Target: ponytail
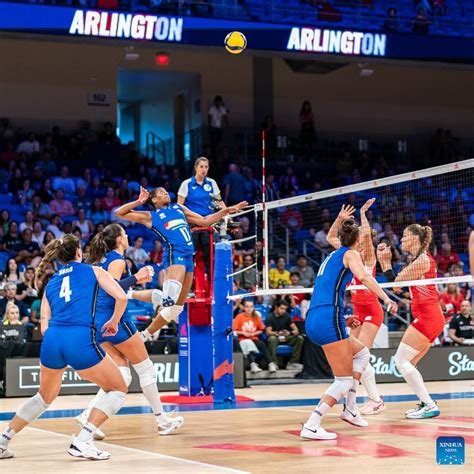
x=424 y=234
x=104 y=242
x=426 y=239
x=51 y=253
x=97 y=249
x=63 y=249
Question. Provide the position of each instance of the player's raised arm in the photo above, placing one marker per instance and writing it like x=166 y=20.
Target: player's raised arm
x=344 y=213
x=194 y=218
x=366 y=235
x=127 y=210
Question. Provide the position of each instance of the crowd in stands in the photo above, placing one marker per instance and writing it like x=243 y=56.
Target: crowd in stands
x=42 y=201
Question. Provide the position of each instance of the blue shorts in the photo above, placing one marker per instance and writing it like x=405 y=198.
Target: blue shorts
x=177 y=258
x=326 y=324
x=126 y=329
x=70 y=345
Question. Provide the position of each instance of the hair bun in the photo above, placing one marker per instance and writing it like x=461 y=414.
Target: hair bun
x=348 y=225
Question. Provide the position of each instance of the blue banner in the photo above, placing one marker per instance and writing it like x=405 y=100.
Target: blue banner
x=313 y=41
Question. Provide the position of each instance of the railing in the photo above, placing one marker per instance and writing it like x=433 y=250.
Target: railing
x=273 y=236
x=155 y=148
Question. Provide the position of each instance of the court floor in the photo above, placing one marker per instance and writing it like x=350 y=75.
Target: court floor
x=255 y=437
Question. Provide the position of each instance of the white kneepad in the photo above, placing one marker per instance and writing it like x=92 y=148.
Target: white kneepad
x=32 y=408
x=360 y=361
x=339 y=387
x=146 y=372
x=171 y=313
x=171 y=292
x=403 y=357
x=156 y=298
x=110 y=403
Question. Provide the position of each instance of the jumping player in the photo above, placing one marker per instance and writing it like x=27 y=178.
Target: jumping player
x=428 y=320
x=367 y=308
x=325 y=326
x=70 y=338
x=107 y=251
x=170 y=222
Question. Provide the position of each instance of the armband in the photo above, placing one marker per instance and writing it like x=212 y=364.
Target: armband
x=126 y=283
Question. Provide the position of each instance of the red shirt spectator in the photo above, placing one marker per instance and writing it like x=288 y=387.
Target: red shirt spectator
x=446 y=258
x=292 y=218
x=451 y=299
x=110 y=200
x=156 y=255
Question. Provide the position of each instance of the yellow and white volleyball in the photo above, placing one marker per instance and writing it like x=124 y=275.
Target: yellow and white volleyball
x=235 y=42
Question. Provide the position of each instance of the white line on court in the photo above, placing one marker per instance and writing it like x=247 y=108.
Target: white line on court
x=157 y=455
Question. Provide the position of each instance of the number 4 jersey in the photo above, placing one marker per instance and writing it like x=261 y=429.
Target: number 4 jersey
x=72 y=294
x=172 y=228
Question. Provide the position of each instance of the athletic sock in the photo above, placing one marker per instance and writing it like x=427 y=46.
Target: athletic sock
x=6 y=436
x=415 y=381
x=351 y=396
x=318 y=414
x=153 y=396
x=368 y=381
x=87 y=433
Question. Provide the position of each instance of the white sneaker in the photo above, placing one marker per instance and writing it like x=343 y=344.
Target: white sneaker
x=294 y=366
x=372 y=407
x=423 y=411
x=317 y=433
x=254 y=368
x=272 y=367
x=79 y=449
x=354 y=418
x=5 y=453
x=171 y=425
x=81 y=420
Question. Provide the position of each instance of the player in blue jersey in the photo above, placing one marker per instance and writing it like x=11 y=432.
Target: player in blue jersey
x=70 y=338
x=170 y=222
x=106 y=250
x=326 y=326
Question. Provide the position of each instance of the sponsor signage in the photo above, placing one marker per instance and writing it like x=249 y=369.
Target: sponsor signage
x=441 y=363
x=289 y=38
x=22 y=376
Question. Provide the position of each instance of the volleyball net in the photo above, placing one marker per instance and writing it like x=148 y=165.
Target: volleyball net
x=294 y=231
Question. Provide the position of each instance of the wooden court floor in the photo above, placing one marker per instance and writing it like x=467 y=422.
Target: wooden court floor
x=261 y=437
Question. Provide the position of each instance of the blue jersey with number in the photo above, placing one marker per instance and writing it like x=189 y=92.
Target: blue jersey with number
x=172 y=228
x=72 y=295
x=331 y=280
x=105 y=302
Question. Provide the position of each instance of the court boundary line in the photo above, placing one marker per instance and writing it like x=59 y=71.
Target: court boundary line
x=158 y=455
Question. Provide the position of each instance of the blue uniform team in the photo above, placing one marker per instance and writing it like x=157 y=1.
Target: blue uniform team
x=172 y=228
x=73 y=335
x=325 y=322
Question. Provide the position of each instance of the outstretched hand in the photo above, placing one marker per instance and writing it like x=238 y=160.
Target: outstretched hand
x=367 y=205
x=144 y=195
x=238 y=207
x=346 y=212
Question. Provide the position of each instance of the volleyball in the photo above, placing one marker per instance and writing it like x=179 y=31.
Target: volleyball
x=235 y=42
